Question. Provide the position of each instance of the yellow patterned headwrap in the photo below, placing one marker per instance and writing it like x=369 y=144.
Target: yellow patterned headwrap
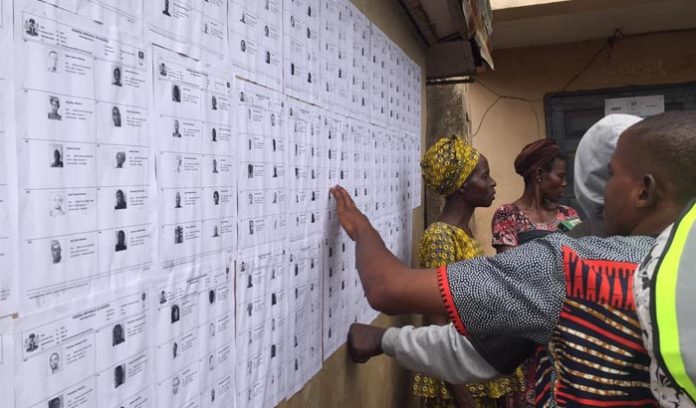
x=447 y=164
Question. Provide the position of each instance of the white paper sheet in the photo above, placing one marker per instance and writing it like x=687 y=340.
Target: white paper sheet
x=395 y=197
x=401 y=170
x=339 y=262
x=256 y=40
x=8 y=170
x=397 y=88
x=393 y=75
x=411 y=89
x=643 y=106
x=310 y=168
x=7 y=361
x=408 y=96
x=416 y=180
x=262 y=321
x=400 y=89
x=86 y=167
x=333 y=132
x=417 y=98
x=194 y=350
x=196 y=160
x=379 y=77
x=127 y=15
x=381 y=171
x=301 y=49
x=336 y=50
x=262 y=294
x=360 y=57
x=92 y=353
x=197 y=29
x=304 y=280
x=67 y=5
x=349 y=173
x=348 y=149
x=262 y=165
x=411 y=167
x=123 y=15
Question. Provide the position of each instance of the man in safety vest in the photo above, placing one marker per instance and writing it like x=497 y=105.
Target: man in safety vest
x=664 y=286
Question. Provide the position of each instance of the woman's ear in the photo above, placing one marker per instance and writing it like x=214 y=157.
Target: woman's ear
x=538 y=175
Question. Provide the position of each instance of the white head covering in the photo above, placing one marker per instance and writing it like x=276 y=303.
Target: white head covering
x=591 y=160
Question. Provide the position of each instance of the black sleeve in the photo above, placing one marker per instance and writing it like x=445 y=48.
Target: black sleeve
x=504 y=353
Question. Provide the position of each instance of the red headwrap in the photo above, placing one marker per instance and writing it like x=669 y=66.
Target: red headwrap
x=536 y=154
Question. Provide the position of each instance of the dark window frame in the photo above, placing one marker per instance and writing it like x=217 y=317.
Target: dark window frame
x=568 y=115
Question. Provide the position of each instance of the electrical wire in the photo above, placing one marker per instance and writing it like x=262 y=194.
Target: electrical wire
x=483 y=118
x=610 y=42
x=498 y=98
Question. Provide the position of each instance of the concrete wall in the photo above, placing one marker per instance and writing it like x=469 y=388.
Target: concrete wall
x=380 y=383
x=530 y=73
x=445 y=118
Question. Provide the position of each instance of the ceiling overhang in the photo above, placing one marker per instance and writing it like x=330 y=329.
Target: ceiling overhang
x=456 y=33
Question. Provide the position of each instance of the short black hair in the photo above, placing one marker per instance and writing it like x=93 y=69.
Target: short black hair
x=666 y=146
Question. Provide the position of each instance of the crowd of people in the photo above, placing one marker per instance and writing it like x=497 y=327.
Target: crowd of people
x=569 y=313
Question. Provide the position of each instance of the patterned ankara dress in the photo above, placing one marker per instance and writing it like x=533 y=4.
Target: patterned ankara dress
x=444 y=244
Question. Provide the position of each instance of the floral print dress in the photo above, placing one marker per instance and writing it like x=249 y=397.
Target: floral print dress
x=510 y=224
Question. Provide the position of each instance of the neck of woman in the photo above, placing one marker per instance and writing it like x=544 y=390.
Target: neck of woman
x=457 y=212
x=533 y=200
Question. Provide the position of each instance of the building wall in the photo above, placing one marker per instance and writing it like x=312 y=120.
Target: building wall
x=379 y=383
x=527 y=74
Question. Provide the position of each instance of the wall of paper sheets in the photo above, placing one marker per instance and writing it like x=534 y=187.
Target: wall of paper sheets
x=167 y=238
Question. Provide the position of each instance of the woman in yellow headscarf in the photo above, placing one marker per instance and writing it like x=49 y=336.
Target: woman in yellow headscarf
x=454 y=169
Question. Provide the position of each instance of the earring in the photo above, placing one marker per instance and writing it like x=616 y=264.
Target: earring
x=539 y=180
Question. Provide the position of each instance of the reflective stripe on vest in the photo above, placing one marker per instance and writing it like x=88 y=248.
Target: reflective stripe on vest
x=673 y=304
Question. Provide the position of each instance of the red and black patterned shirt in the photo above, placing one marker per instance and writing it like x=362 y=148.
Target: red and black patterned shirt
x=576 y=297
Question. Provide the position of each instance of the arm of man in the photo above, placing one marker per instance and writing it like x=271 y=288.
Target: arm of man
x=390 y=286
x=440 y=351
x=518 y=293
x=437 y=351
